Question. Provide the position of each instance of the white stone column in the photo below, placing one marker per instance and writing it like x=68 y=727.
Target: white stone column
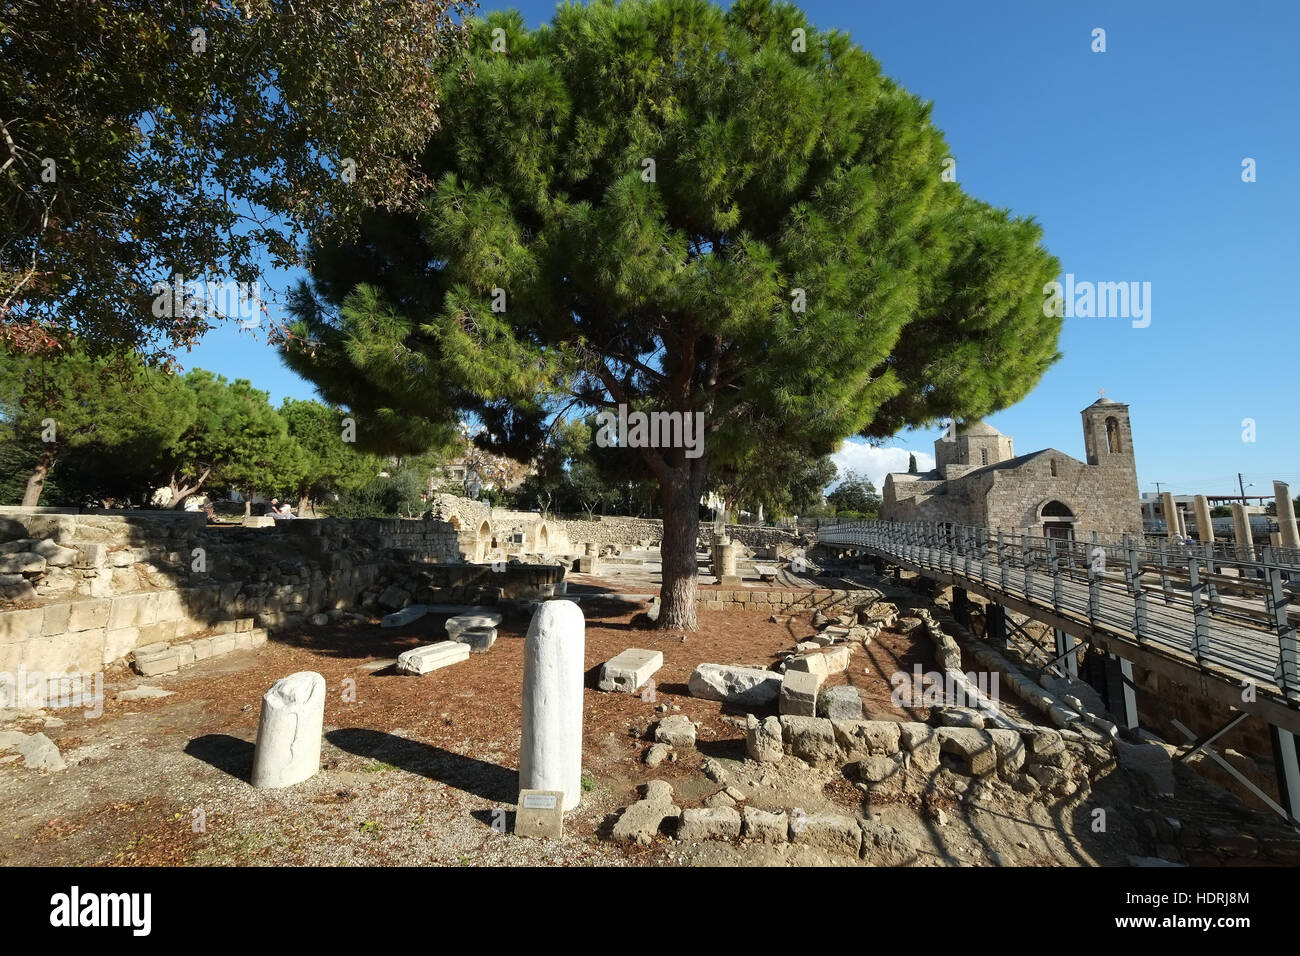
x=1204 y=527
x=1286 y=515
x=550 y=752
x=725 y=555
x=289 y=733
x=1173 y=524
x=1241 y=525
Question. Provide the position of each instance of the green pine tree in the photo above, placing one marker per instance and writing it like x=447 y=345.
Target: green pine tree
x=674 y=207
x=328 y=464
x=235 y=439
x=113 y=413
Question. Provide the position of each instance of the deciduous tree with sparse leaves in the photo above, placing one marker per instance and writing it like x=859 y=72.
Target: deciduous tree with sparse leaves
x=141 y=139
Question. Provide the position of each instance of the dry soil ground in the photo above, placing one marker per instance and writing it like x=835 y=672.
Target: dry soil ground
x=422 y=770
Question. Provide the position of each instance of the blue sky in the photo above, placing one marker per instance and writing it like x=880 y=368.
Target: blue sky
x=1131 y=160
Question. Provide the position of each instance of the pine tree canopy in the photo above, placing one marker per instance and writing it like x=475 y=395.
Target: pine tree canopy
x=680 y=208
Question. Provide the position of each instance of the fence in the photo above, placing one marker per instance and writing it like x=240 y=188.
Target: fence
x=1230 y=613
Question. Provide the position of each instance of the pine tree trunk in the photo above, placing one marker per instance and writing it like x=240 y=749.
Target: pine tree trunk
x=36 y=482
x=681 y=530
x=184 y=491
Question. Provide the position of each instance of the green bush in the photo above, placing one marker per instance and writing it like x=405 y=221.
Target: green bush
x=387 y=496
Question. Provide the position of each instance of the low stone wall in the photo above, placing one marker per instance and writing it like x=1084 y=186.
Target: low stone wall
x=90 y=588
x=773 y=601
x=47 y=555
x=482 y=529
x=621 y=532
x=1247 y=747
x=757 y=537
x=902 y=757
x=471 y=584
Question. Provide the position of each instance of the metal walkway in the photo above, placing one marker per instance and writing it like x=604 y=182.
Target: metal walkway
x=1219 y=625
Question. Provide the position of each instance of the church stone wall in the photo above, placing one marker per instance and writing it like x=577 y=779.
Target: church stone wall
x=1100 y=499
x=1102 y=494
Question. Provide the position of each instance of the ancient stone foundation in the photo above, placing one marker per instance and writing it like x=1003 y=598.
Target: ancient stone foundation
x=154 y=586
x=770 y=601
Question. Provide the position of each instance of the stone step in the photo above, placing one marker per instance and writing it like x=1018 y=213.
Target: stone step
x=167 y=658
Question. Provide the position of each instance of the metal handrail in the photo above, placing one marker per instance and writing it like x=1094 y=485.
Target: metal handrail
x=1176 y=597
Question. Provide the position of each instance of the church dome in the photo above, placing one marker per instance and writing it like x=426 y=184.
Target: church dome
x=979 y=430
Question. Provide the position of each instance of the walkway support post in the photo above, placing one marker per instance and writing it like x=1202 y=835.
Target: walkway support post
x=1129 y=711
x=961 y=607
x=1287 y=673
x=1067 y=652
x=1200 y=612
x=1286 y=758
x=996 y=626
x=1120 y=695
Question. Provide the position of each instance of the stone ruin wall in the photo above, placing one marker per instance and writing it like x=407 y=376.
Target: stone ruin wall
x=82 y=591
x=1103 y=498
x=569 y=536
x=1248 y=747
x=770 y=601
x=79 y=591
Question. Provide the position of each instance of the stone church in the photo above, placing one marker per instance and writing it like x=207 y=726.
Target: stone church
x=978 y=480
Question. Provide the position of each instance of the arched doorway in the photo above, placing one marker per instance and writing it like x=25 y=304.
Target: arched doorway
x=1057 y=520
x=484 y=543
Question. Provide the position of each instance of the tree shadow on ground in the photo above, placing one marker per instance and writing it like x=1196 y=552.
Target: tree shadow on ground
x=728 y=749
x=228 y=754
x=358 y=640
x=478 y=777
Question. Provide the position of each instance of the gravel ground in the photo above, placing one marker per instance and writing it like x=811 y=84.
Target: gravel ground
x=422 y=770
